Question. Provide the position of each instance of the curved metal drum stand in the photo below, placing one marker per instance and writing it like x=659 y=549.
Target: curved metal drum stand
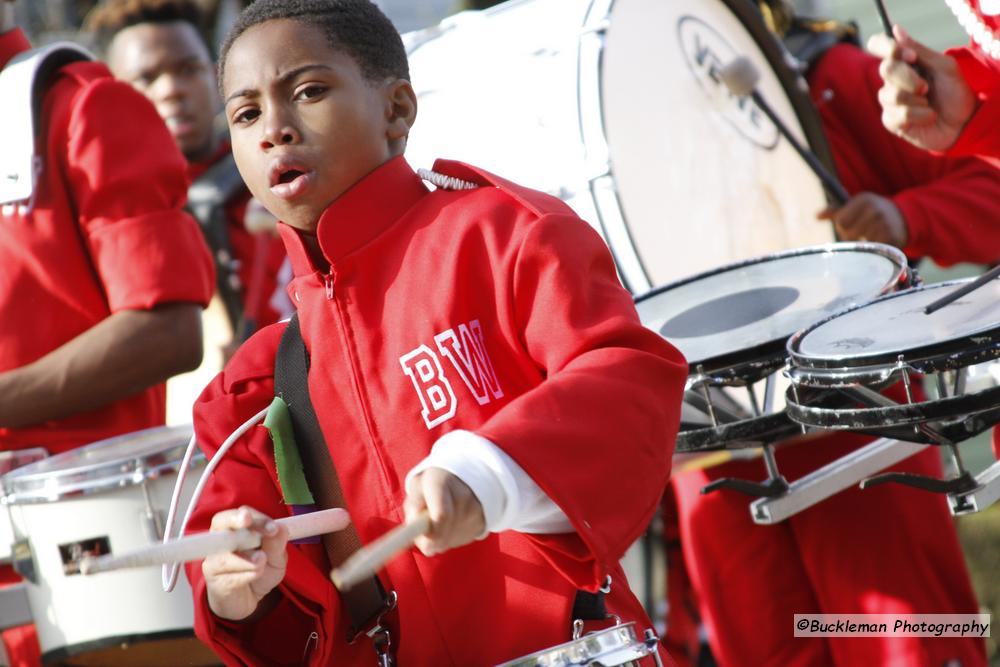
x=732 y=325
x=857 y=353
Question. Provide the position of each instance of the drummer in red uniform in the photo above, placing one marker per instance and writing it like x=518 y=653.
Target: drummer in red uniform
x=103 y=278
x=889 y=549
x=945 y=102
x=157 y=47
x=472 y=353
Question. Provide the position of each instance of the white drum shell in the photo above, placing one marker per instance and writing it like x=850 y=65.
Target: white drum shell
x=70 y=610
x=605 y=105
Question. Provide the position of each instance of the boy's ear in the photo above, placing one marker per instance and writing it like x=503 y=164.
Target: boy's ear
x=402 y=109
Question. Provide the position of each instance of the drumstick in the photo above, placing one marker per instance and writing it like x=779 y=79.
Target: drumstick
x=740 y=76
x=368 y=560
x=196 y=547
x=884 y=16
x=959 y=292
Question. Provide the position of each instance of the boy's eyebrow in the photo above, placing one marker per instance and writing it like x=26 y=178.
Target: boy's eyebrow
x=281 y=79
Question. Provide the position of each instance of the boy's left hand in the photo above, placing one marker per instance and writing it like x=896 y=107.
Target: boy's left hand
x=456 y=514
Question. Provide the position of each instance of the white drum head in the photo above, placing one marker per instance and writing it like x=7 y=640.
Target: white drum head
x=116 y=462
x=615 y=108
x=762 y=301
x=704 y=178
x=897 y=324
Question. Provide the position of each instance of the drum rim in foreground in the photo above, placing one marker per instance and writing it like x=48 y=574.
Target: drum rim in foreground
x=953 y=418
x=45 y=481
x=943 y=355
x=769 y=356
x=611 y=642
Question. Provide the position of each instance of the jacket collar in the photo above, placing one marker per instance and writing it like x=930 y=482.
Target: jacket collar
x=359 y=215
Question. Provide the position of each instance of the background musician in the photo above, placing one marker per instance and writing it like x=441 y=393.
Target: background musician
x=104 y=277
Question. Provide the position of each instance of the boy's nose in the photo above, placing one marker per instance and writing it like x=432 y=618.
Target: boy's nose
x=279 y=135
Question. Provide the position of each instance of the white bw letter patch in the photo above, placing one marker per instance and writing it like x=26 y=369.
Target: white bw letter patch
x=464 y=346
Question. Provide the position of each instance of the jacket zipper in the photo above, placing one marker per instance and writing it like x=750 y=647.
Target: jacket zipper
x=356 y=380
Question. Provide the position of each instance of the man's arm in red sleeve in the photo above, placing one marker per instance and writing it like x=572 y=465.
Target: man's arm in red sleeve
x=148 y=254
x=982 y=73
x=297 y=629
x=949 y=204
x=952 y=204
x=597 y=434
x=955 y=218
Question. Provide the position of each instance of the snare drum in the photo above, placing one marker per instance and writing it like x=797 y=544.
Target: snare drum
x=614 y=646
x=108 y=497
x=860 y=351
x=680 y=176
x=732 y=325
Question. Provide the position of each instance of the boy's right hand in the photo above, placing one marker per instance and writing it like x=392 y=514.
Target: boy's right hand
x=237 y=582
x=924 y=97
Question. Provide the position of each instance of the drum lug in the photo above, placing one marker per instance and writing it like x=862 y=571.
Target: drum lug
x=651 y=640
x=152 y=519
x=152 y=525
x=23 y=560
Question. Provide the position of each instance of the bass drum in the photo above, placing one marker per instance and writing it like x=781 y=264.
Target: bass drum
x=616 y=107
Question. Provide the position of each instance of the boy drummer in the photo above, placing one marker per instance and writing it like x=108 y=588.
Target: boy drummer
x=472 y=354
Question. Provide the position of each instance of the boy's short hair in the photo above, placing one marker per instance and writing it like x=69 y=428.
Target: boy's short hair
x=355 y=27
x=110 y=18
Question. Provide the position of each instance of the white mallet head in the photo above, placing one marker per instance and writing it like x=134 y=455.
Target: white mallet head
x=740 y=76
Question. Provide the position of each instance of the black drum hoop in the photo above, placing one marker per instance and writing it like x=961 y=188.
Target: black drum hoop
x=752 y=432
x=956 y=418
x=746 y=433
x=753 y=363
x=952 y=354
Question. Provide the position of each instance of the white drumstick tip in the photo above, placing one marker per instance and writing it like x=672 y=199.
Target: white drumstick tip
x=740 y=76
x=368 y=560
x=202 y=545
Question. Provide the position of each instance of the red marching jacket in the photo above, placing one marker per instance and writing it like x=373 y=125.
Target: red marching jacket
x=107 y=233
x=982 y=72
x=494 y=310
x=951 y=204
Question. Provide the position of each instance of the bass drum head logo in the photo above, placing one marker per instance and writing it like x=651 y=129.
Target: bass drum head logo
x=706 y=52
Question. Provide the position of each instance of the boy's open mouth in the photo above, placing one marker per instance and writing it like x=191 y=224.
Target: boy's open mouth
x=289 y=176
x=288 y=180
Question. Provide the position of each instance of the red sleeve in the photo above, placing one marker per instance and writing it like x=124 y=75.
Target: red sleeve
x=982 y=73
x=246 y=477
x=951 y=205
x=955 y=218
x=129 y=185
x=597 y=435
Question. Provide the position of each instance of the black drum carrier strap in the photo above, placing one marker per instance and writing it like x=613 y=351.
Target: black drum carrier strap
x=366 y=602
x=207 y=200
